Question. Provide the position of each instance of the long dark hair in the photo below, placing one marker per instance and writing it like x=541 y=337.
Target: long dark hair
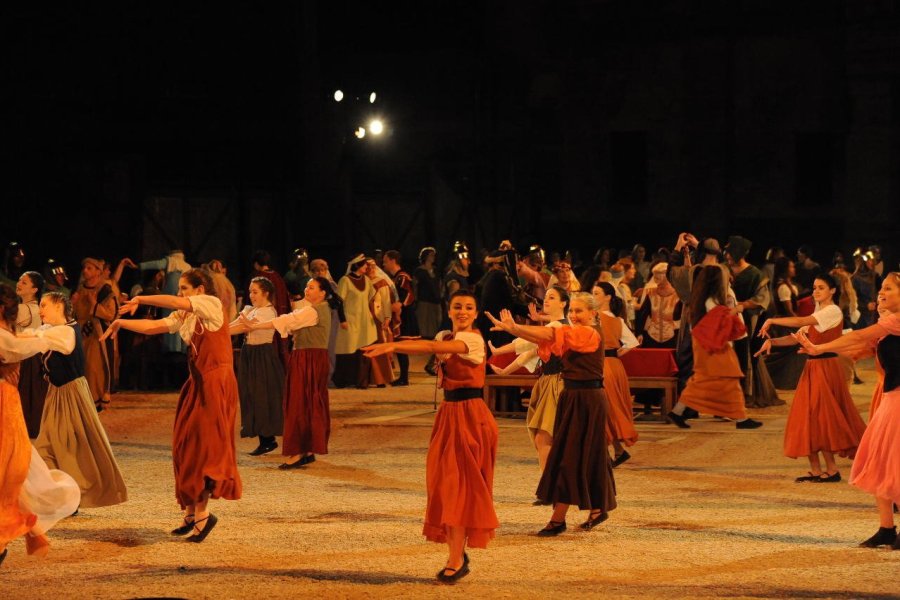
x=616 y=305
x=832 y=283
x=9 y=304
x=37 y=281
x=335 y=302
x=782 y=267
x=709 y=284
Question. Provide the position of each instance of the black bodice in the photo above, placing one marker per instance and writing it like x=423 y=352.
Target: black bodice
x=889 y=357
x=63 y=368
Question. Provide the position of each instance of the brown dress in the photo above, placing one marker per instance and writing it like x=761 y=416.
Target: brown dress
x=620 y=421
x=578 y=468
x=203 y=439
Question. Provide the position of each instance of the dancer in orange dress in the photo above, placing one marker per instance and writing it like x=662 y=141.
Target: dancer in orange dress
x=203 y=449
x=578 y=469
x=715 y=386
x=618 y=340
x=463 y=449
x=823 y=417
x=876 y=468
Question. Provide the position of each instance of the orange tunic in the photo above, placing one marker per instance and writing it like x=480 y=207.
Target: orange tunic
x=15 y=457
x=715 y=386
x=203 y=451
x=823 y=416
x=459 y=472
x=620 y=421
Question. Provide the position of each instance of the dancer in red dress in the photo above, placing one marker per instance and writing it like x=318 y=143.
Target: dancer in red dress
x=203 y=449
x=823 y=417
x=463 y=449
x=876 y=468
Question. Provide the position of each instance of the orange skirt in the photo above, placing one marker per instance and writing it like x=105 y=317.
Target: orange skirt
x=203 y=451
x=620 y=419
x=876 y=398
x=15 y=458
x=715 y=386
x=459 y=473
x=823 y=416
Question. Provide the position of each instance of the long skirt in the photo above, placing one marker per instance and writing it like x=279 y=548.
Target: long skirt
x=203 y=453
x=381 y=371
x=578 y=468
x=72 y=440
x=823 y=416
x=715 y=386
x=542 y=407
x=307 y=417
x=15 y=454
x=428 y=317
x=459 y=473
x=877 y=465
x=261 y=388
x=620 y=420
x=351 y=370
x=33 y=391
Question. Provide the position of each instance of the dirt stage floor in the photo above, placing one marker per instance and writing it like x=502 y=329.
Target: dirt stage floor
x=705 y=512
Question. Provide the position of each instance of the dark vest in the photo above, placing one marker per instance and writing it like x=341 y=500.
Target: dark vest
x=889 y=357
x=60 y=368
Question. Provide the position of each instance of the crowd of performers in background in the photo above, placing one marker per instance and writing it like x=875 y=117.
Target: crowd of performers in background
x=738 y=332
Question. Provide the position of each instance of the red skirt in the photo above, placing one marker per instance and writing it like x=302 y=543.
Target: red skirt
x=459 y=473
x=823 y=416
x=307 y=418
x=620 y=420
x=203 y=451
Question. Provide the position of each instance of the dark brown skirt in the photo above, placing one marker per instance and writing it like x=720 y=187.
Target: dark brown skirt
x=33 y=391
x=578 y=468
x=261 y=387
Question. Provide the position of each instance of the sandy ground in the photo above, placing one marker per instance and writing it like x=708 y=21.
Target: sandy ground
x=706 y=512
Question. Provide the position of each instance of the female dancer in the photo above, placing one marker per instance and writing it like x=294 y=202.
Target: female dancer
x=307 y=419
x=459 y=472
x=203 y=440
x=32 y=385
x=618 y=340
x=261 y=374
x=876 y=468
x=28 y=505
x=823 y=417
x=715 y=386
x=785 y=365
x=381 y=309
x=578 y=468
x=545 y=395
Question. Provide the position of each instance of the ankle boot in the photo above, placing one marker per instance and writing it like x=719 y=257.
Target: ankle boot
x=885 y=536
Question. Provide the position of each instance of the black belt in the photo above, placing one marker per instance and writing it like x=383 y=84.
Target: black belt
x=823 y=355
x=463 y=394
x=550 y=371
x=614 y=353
x=583 y=384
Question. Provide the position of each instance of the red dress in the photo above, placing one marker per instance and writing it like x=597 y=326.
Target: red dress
x=823 y=416
x=459 y=470
x=203 y=439
x=620 y=420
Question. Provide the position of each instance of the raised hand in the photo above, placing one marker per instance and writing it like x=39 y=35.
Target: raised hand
x=533 y=313
x=504 y=323
x=376 y=350
x=492 y=347
x=765 y=349
x=111 y=330
x=129 y=307
x=806 y=346
x=764 y=330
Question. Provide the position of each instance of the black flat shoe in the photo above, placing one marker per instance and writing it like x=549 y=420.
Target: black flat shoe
x=399 y=383
x=293 y=465
x=679 y=420
x=3 y=555
x=454 y=574
x=826 y=478
x=186 y=526
x=621 y=458
x=309 y=458
x=885 y=536
x=553 y=528
x=690 y=413
x=748 y=424
x=810 y=476
x=201 y=534
x=264 y=449
x=540 y=502
x=594 y=521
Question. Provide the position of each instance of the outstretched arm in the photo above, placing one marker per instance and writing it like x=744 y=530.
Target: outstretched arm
x=855 y=343
x=162 y=301
x=786 y=322
x=143 y=326
x=515 y=365
x=532 y=333
x=416 y=347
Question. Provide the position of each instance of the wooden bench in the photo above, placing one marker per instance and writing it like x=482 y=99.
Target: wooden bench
x=669 y=385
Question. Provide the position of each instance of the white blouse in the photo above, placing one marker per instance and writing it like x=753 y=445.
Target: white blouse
x=263 y=314
x=29 y=316
x=205 y=308
x=826 y=318
x=306 y=316
x=474 y=342
x=521 y=346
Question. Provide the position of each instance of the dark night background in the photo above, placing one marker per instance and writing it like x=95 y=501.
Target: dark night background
x=211 y=127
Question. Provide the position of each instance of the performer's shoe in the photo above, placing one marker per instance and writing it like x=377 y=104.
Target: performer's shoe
x=186 y=526
x=808 y=478
x=553 y=528
x=381 y=385
x=620 y=459
x=454 y=574
x=294 y=465
x=201 y=534
x=3 y=555
x=309 y=458
x=690 y=413
x=465 y=564
x=594 y=521
x=264 y=449
x=399 y=383
x=540 y=502
x=748 y=424
x=826 y=478
x=430 y=370
x=885 y=536
x=679 y=420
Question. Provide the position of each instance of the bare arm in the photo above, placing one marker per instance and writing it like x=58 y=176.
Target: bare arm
x=532 y=333
x=518 y=363
x=416 y=347
x=143 y=326
x=855 y=342
x=787 y=322
x=162 y=301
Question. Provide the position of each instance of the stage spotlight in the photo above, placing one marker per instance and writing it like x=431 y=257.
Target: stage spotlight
x=376 y=127
x=372 y=98
x=360 y=132
x=338 y=95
